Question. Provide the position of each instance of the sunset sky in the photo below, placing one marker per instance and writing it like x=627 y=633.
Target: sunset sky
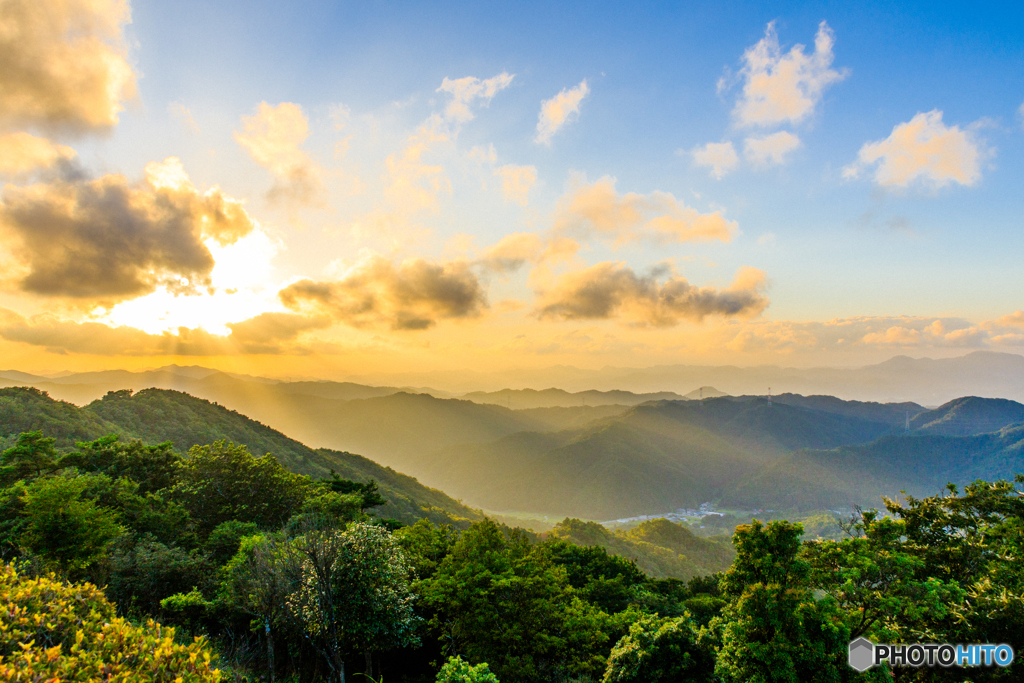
x=329 y=188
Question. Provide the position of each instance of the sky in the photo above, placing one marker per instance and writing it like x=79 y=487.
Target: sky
x=338 y=189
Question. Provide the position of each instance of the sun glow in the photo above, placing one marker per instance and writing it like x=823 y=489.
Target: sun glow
x=242 y=287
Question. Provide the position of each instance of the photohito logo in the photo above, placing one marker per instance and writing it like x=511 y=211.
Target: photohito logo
x=864 y=654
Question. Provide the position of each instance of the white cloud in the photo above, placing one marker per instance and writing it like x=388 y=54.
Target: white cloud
x=925 y=149
x=785 y=87
x=557 y=111
x=720 y=157
x=770 y=150
x=465 y=91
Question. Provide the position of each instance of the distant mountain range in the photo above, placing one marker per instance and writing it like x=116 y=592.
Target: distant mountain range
x=925 y=381
x=620 y=454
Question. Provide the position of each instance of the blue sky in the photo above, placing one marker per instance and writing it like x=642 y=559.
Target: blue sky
x=924 y=260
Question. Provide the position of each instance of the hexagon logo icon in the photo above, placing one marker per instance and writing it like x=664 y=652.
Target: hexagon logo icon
x=862 y=654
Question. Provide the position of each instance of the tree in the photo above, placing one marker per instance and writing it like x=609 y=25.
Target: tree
x=773 y=630
x=151 y=467
x=223 y=481
x=660 y=651
x=354 y=590
x=64 y=526
x=501 y=600
x=259 y=580
x=32 y=456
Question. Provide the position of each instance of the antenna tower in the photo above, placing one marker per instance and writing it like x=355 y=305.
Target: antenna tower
x=769 y=396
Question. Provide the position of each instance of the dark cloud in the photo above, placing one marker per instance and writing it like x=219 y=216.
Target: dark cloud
x=106 y=240
x=612 y=290
x=411 y=296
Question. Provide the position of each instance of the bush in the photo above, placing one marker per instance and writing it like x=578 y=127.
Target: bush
x=458 y=670
x=68 y=632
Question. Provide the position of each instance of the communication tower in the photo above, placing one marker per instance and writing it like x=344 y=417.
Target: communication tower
x=769 y=396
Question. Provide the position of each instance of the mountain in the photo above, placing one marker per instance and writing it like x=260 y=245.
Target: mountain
x=922 y=380
x=968 y=416
x=558 y=398
x=659 y=547
x=655 y=457
x=157 y=416
x=26 y=409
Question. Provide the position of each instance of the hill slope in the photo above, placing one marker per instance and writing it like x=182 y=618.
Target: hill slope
x=157 y=416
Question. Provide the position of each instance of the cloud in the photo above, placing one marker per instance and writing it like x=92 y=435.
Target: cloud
x=272 y=137
x=925 y=149
x=785 y=87
x=21 y=154
x=516 y=182
x=613 y=290
x=106 y=240
x=183 y=114
x=893 y=332
x=64 y=64
x=720 y=157
x=770 y=150
x=557 y=111
x=269 y=333
x=658 y=216
x=466 y=91
x=373 y=292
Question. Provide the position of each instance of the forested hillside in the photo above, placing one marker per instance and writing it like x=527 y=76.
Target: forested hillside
x=158 y=416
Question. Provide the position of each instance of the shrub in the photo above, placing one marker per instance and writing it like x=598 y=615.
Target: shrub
x=458 y=670
x=68 y=632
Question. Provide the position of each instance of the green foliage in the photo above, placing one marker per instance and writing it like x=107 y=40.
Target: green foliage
x=354 y=589
x=458 y=670
x=31 y=457
x=660 y=651
x=143 y=571
x=64 y=526
x=54 y=631
x=221 y=482
x=25 y=409
x=224 y=540
x=368 y=492
x=151 y=467
x=498 y=599
x=773 y=630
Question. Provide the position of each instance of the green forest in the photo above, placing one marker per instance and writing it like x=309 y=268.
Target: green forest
x=144 y=542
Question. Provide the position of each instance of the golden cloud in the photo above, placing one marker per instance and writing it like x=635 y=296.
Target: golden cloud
x=923 y=148
x=273 y=137
x=106 y=240
x=516 y=182
x=268 y=333
x=22 y=153
x=64 y=64
x=559 y=110
x=613 y=290
x=658 y=216
x=720 y=157
x=770 y=150
x=413 y=295
x=785 y=87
